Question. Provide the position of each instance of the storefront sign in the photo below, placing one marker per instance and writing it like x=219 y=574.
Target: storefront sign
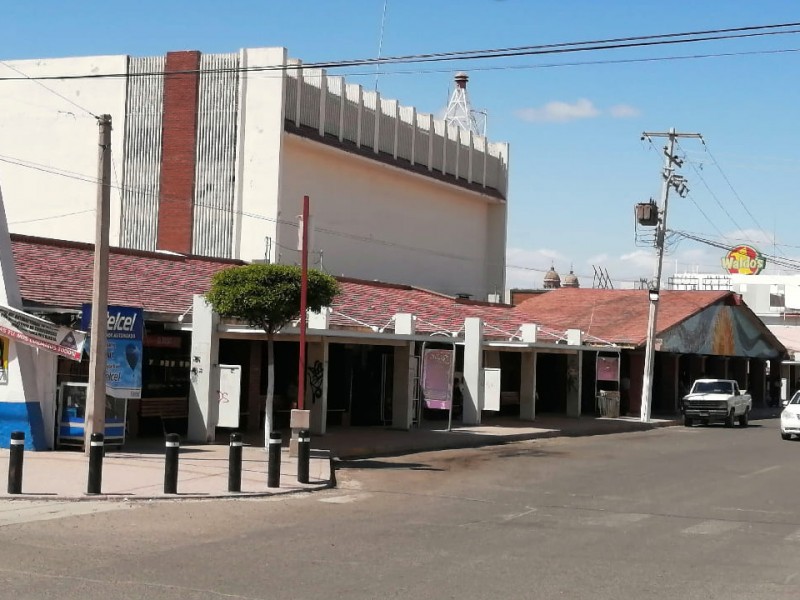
x=125 y=326
x=607 y=368
x=744 y=260
x=437 y=378
x=41 y=333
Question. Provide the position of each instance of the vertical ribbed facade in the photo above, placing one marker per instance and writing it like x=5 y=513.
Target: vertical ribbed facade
x=141 y=169
x=215 y=169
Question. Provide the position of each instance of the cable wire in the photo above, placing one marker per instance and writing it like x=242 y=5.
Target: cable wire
x=532 y=50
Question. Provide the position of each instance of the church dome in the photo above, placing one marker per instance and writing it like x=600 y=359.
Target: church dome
x=552 y=279
x=571 y=280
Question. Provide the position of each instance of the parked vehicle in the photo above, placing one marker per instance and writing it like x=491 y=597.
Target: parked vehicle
x=716 y=400
x=790 y=417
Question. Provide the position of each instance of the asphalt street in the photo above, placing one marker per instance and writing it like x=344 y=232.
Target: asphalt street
x=702 y=512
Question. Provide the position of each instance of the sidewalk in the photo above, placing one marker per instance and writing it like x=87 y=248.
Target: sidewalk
x=137 y=472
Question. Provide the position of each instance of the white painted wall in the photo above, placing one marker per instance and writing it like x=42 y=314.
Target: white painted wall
x=409 y=221
x=49 y=133
x=259 y=152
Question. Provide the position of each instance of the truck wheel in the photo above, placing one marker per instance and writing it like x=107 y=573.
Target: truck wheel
x=744 y=418
x=687 y=421
x=730 y=418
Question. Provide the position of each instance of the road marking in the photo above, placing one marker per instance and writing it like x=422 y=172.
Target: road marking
x=345 y=499
x=512 y=516
x=760 y=471
x=794 y=537
x=23 y=511
x=712 y=527
x=615 y=519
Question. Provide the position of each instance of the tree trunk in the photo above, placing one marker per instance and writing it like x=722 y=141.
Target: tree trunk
x=268 y=421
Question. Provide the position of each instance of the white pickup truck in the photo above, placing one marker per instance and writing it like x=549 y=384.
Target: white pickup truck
x=716 y=400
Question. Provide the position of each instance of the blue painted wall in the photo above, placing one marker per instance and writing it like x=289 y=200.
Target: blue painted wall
x=25 y=417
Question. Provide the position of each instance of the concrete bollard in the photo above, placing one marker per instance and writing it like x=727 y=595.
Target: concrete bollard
x=16 y=454
x=235 y=463
x=96 y=451
x=274 y=460
x=173 y=446
x=303 y=455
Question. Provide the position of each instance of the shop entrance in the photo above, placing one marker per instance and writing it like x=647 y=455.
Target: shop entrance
x=360 y=383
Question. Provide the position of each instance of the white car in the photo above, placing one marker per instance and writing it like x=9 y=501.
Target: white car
x=790 y=417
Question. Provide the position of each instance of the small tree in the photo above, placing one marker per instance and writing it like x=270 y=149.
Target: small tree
x=268 y=297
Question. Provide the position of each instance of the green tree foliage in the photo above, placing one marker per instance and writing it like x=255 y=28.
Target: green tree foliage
x=268 y=296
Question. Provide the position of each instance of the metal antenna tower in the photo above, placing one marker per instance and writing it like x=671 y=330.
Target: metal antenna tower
x=459 y=111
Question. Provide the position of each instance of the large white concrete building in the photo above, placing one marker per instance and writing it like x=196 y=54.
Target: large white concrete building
x=213 y=153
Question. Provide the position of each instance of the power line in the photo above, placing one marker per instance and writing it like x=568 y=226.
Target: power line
x=49 y=89
x=532 y=50
x=730 y=185
x=713 y=195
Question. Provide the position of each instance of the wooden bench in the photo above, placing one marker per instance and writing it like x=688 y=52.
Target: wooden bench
x=168 y=410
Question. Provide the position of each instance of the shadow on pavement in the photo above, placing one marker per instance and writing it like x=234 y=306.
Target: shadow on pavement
x=384 y=464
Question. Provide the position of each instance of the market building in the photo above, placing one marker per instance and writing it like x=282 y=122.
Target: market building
x=213 y=153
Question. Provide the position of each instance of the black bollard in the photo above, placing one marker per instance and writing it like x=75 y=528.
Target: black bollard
x=171 y=463
x=96 y=444
x=16 y=453
x=274 y=460
x=235 y=463
x=303 y=455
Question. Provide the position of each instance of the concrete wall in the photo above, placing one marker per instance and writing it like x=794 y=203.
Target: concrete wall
x=375 y=221
x=48 y=145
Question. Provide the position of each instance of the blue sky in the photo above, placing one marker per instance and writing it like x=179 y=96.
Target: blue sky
x=577 y=162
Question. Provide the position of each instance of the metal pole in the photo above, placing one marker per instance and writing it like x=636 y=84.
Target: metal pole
x=274 y=460
x=173 y=447
x=235 y=463
x=303 y=455
x=16 y=454
x=301 y=370
x=95 y=464
x=96 y=395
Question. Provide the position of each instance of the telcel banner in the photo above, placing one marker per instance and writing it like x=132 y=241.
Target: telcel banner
x=41 y=333
x=124 y=360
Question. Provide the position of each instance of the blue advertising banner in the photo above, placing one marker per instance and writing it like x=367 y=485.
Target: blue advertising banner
x=124 y=361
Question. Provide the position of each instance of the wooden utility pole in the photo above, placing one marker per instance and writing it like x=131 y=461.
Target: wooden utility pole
x=96 y=398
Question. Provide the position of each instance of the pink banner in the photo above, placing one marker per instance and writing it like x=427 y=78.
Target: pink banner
x=607 y=368
x=437 y=378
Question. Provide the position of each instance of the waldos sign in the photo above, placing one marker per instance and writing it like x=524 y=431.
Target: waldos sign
x=744 y=260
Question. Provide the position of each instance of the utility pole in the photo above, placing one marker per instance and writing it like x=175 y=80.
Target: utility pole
x=677 y=182
x=96 y=398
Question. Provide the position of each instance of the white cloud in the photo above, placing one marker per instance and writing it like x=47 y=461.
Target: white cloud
x=560 y=112
x=624 y=111
x=563 y=112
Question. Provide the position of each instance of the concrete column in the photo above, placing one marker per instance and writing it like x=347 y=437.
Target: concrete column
x=574 y=381
x=404 y=374
x=317 y=385
x=402 y=387
x=202 y=390
x=473 y=371
x=527 y=387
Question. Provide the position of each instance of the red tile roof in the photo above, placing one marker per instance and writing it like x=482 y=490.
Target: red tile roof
x=58 y=273
x=618 y=316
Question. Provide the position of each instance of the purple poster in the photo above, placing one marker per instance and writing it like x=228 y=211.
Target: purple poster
x=437 y=378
